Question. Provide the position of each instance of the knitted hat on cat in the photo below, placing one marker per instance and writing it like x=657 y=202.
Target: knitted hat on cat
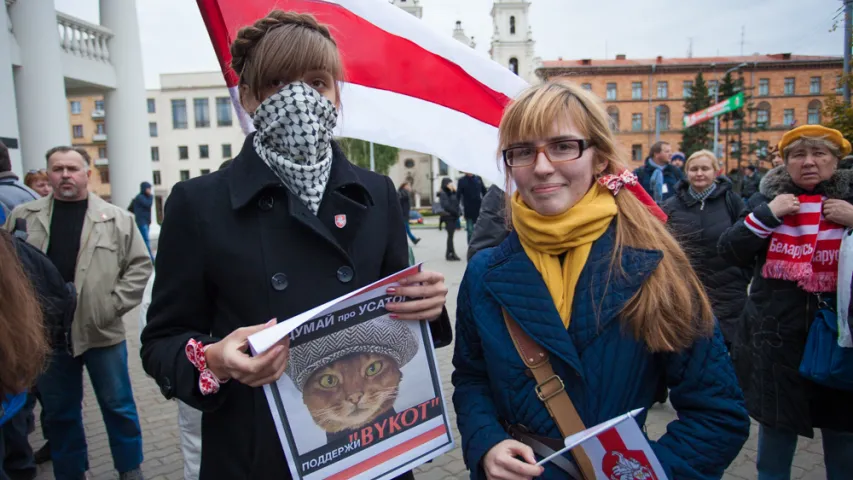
x=382 y=335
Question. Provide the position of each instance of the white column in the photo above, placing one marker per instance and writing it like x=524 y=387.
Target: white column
x=126 y=119
x=9 y=117
x=39 y=83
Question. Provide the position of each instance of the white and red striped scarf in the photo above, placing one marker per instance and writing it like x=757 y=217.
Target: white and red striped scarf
x=804 y=248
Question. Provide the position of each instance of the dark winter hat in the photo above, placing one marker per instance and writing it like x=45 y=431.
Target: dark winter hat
x=382 y=335
x=445 y=182
x=144 y=186
x=678 y=156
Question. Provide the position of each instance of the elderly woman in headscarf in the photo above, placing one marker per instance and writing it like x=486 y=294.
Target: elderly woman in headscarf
x=794 y=257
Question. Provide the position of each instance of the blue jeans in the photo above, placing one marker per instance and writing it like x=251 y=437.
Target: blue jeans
x=143 y=229
x=776 y=453
x=412 y=237
x=469 y=226
x=61 y=388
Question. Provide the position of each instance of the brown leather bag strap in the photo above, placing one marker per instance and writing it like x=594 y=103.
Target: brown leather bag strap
x=551 y=390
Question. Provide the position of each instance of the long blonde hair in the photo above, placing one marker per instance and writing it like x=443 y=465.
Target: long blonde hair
x=671 y=309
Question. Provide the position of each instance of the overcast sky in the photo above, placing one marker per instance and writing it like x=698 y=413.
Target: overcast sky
x=174 y=38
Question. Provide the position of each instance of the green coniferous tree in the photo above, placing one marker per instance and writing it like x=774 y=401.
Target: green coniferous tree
x=697 y=137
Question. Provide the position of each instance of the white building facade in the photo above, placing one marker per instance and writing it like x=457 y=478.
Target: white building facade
x=47 y=56
x=192 y=128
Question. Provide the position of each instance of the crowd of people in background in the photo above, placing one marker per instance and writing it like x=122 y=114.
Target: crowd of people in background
x=666 y=278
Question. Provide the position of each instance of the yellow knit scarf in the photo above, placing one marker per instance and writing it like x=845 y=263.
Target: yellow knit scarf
x=572 y=232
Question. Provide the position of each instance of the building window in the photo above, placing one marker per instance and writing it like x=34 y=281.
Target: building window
x=788 y=117
x=442 y=168
x=814 y=112
x=152 y=107
x=102 y=152
x=513 y=65
x=734 y=147
x=637 y=153
x=152 y=129
x=226 y=150
x=179 y=113
x=183 y=153
x=201 y=107
x=839 y=88
x=637 y=90
x=814 y=86
x=155 y=154
x=763 y=87
x=762 y=148
x=205 y=171
x=157 y=180
x=223 y=111
x=77 y=131
x=663 y=89
x=762 y=114
x=789 y=86
x=99 y=105
x=185 y=175
x=75 y=107
x=100 y=129
x=587 y=86
x=512 y=25
x=712 y=87
x=611 y=91
x=613 y=113
x=663 y=117
x=687 y=88
x=105 y=174
x=203 y=151
x=637 y=122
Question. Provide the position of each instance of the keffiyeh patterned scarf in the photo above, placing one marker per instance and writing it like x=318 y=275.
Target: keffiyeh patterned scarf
x=294 y=138
x=701 y=196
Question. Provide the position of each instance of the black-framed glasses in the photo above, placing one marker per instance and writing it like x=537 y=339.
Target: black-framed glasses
x=564 y=150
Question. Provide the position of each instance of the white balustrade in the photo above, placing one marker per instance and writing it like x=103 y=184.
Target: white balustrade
x=83 y=39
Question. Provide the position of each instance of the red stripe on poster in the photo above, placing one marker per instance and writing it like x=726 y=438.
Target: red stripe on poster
x=390 y=453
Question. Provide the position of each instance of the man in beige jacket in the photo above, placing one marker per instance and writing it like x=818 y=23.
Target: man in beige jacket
x=97 y=246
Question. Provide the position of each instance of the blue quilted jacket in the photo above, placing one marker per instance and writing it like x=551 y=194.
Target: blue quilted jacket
x=606 y=371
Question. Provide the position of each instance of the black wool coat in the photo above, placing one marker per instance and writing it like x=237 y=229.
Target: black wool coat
x=237 y=249
x=698 y=226
x=774 y=325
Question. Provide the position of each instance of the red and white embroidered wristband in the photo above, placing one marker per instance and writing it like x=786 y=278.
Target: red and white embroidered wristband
x=208 y=383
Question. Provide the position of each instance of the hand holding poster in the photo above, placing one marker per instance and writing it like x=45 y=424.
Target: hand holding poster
x=361 y=395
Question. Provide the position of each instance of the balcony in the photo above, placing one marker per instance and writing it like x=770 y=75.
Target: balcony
x=102 y=162
x=97 y=114
x=99 y=137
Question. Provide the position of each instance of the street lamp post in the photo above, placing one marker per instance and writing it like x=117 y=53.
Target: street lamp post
x=716 y=101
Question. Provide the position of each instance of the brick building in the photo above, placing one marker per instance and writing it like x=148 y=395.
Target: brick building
x=787 y=90
x=88 y=130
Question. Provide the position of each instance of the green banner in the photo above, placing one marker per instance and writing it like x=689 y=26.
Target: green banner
x=728 y=105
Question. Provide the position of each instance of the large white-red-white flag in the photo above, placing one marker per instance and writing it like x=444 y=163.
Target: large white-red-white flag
x=407 y=85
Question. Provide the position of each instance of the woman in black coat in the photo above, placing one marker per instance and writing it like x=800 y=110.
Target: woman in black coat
x=450 y=215
x=405 y=207
x=704 y=207
x=282 y=230
x=774 y=325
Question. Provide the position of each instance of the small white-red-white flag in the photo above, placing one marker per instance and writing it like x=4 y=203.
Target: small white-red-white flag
x=618 y=450
x=407 y=85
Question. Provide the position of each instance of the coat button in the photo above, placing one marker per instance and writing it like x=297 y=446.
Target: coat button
x=266 y=203
x=279 y=281
x=166 y=387
x=345 y=274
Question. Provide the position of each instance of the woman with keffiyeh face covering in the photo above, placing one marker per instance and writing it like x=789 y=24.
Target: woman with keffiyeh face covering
x=790 y=236
x=590 y=274
x=289 y=225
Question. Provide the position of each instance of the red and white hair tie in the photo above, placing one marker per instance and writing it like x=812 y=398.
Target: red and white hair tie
x=208 y=384
x=614 y=183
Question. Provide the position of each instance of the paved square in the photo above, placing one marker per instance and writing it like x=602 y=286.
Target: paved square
x=163 y=459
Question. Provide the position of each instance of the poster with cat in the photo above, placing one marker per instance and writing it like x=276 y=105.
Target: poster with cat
x=361 y=397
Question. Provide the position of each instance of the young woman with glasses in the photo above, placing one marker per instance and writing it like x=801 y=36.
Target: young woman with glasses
x=594 y=279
